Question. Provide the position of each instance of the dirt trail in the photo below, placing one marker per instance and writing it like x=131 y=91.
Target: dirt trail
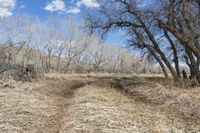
x=82 y=105
x=35 y=107
x=95 y=109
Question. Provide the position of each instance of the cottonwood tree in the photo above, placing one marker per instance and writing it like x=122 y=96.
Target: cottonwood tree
x=40 y=43
x=182 y=21
x=98 y=58
x=16 y=36
x=145 y=27
x=76 y=43
x=58 y=45
x=125 y=15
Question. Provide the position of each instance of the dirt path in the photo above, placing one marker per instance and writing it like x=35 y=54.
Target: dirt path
x=35 y=107
x=82 y=106
x=95 y=109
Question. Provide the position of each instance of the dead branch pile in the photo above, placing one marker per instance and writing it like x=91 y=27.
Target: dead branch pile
x=20 y=73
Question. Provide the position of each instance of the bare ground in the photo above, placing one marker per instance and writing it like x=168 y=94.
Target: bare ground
x=96 y=104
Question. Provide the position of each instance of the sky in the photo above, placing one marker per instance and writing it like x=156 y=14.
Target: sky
x=45 y=8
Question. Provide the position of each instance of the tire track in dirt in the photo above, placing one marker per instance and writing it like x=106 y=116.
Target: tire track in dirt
x=98 y=109
x=62 y=92
x=156 y=97
x=36 y=107
x=85 y=105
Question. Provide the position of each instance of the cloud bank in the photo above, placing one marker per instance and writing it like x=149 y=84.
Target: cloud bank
x=6 y=7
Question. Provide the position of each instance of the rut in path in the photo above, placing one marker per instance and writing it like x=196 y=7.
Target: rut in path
x=101 y=109
x=37 y=107
x=70 y=106
x=63 y=92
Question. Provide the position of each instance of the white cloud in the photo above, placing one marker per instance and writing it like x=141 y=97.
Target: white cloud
x=88 y=3
x=59 y=6
x=6 y=7
x=7 y=3
x=55 y=5
x=4 y=12
x=74 y=10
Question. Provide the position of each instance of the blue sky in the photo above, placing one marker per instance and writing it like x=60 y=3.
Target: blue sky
x=45 y=8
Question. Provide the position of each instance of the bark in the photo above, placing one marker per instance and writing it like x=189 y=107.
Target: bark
x=175 y=53
x=184 y=74
x=194 y=70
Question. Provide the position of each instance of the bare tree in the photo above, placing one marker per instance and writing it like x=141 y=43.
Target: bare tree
x=176 y=20
x=58 y=45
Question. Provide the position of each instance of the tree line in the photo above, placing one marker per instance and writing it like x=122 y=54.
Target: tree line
x=167 y=31
x=59 y=45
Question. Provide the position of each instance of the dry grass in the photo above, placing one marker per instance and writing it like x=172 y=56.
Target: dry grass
x=98 y=109
x=8 y=81
x=182 y=101
x=22 y=110
x=89 y=103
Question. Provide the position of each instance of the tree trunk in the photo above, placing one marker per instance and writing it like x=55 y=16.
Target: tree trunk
x=175 y=53
x=158 y=50
x=194 y=68
x=58 y=64
x=153 y=52
x=159 y=61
